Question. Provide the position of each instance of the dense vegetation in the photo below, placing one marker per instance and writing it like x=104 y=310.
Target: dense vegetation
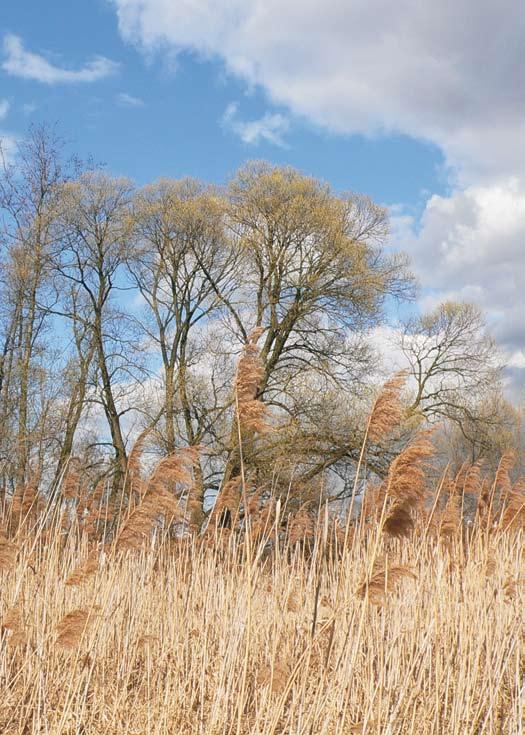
x=215 y=516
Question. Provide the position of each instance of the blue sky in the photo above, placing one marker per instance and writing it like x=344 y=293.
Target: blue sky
x=418 y=105
x=155 y=118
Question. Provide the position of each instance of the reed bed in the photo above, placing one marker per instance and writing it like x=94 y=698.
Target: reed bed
x=337 y=633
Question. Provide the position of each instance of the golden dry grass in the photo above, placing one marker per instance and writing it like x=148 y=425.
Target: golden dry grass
x=391 y=636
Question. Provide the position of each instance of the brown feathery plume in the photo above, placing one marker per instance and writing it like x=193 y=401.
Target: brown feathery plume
x=383 y=581
x=8 y=552
x=361 y=728
x=502 y=479
x=472 y=483
x=71 y=483
x=72 y=627
x=161 y=498
x=173 y=470
x=388 y=411
x=486 y=510
x=450 y=521
x=85 y=570
x=228 y=500
x=510 y=588
x=13 y=626
x=399 y=522
x=251 y=412
x=513 y=516
x=263 y=520
x=459 y=480
x=502 y=482
x=135 y=454
x=276 y=677
x=406 y=480
x=301 y=527
x=134 y=466
x=253 y=500
x=490 y=565
x=137 y=529
x=483 y=506
x=26 y=500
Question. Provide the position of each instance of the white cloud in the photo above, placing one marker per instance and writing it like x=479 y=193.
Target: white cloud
x=270 y=128
x=128 y=100
x=7 y=147
x=22 y=63
x=4 y=108
x=470 y=246
x=448 y=72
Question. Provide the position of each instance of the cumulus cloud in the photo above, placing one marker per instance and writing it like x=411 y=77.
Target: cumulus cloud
x=22 y=63
x=271 y=127
x=128 y=100
x=448 y=72
x=470 y=246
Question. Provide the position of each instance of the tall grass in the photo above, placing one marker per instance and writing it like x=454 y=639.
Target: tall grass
x=229 y=633
x=408 y=619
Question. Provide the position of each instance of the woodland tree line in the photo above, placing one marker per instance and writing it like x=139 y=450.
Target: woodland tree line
x=166 y=311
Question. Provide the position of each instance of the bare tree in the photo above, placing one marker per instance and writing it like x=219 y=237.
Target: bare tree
x=315 y=279
x=183 y=270
x=454 y=363
x=94 y=225
x=28 y=201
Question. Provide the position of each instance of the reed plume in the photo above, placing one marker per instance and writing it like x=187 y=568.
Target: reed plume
x=84 y=571
x=387 y=413
x=406 y=485
x=251 y=412
x=72 y=627
x=383 y=581
x=388 y=410
x=513 y=515
x=301 y=527
x=8 y=553
x=161 y=498
x=399 y=522
x=13 y=626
